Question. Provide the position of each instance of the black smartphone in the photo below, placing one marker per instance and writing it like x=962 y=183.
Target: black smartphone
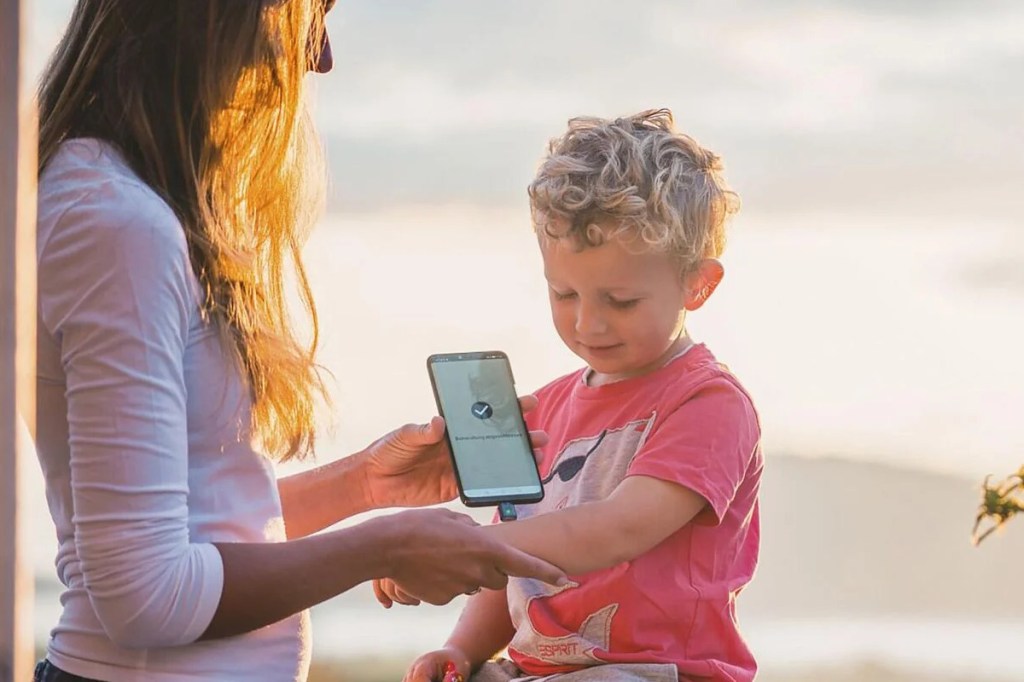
x=486 y=432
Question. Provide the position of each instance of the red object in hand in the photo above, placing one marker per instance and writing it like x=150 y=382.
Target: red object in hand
x=451 y=674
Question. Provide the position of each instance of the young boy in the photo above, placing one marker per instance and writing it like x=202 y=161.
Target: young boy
x=654 y=462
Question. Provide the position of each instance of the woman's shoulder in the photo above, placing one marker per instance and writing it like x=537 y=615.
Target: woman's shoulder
x=90 y=177
x=106 y=239
x=86 y=163
x=88 y=193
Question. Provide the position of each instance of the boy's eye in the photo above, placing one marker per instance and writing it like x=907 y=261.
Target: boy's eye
x=623 y=304
x=559 y=296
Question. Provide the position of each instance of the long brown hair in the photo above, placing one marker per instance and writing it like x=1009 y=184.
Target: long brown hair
x=204 y=99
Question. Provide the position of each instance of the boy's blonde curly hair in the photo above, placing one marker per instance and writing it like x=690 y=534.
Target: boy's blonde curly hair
x=635 y=175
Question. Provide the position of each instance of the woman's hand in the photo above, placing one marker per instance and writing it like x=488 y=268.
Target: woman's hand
x=436 y=555
x=411 y=466
x=430 y=667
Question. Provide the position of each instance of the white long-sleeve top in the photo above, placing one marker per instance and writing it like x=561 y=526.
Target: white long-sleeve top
x=142 y=434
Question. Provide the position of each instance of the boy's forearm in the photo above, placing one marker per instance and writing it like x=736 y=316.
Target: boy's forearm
x=640 y=513
x=576 y=539
x=484 y=628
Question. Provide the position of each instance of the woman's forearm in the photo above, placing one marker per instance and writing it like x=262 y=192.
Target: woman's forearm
x=436 y=553
x=266 y=582
x=319 y=498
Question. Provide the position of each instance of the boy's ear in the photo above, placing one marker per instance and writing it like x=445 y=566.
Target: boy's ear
x=702 y=282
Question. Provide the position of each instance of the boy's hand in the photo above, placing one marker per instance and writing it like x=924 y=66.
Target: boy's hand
x=430 y=667
x=388 y=593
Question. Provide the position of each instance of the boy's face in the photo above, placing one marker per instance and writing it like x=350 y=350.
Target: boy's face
x=617 y=306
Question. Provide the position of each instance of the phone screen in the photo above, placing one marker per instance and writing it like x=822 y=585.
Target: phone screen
x=486 y=433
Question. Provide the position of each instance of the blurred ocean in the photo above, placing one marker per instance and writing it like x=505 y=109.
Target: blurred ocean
x=874 y=288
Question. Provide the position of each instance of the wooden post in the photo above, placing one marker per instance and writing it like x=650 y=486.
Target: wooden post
x=17 y=340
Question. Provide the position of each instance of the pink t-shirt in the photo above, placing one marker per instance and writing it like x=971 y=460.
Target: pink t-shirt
x=690 y=423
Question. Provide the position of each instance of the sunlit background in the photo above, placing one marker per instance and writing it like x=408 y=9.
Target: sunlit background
x=872 y=304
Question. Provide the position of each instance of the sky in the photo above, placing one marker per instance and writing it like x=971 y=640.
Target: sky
x=898 y=107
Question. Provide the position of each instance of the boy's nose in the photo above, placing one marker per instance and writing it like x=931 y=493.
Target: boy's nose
x=589 y=320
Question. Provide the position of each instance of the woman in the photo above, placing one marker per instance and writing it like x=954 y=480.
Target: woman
x=177 y=170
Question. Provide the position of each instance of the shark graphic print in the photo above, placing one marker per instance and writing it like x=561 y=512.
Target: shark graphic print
x=585 y=469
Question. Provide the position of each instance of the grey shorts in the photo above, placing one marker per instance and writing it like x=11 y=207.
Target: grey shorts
x=506 y=671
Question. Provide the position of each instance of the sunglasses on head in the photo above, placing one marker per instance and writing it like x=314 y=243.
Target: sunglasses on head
x=322 y=60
